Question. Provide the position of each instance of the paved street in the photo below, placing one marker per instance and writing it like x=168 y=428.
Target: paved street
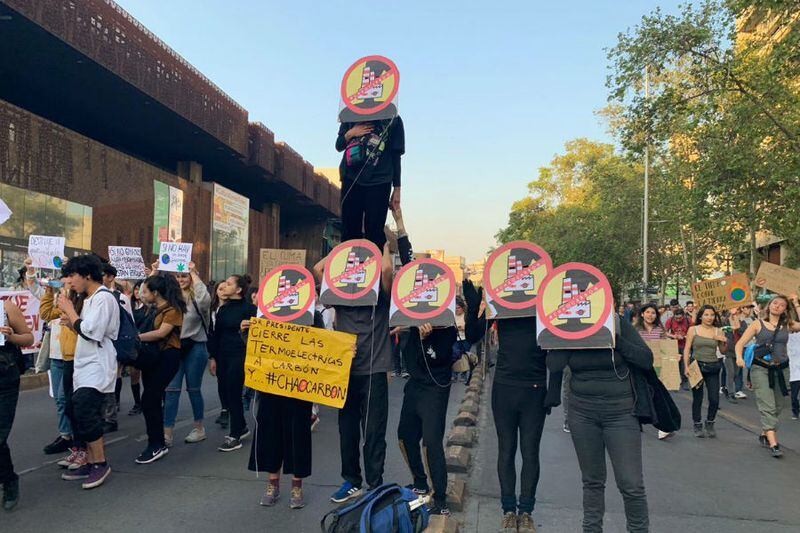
x=692 y=485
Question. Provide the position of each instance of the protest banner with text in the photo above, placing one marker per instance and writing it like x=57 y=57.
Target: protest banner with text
x=175 y=256
x=778 y=279
x=46 y=252
x=270 y=258
x=723 y=293
x=128 y=261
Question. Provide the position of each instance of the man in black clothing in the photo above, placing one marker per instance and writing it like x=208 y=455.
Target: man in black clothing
x=370 y=171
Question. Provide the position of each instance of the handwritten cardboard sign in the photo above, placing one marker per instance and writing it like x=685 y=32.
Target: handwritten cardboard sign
x=665 y=361
x=29 y=306
x=302 y=362
x=269 y=258
x=46 y=252
x=128 y=261
x=723 y=293
x=175 y=256
x=778 y=279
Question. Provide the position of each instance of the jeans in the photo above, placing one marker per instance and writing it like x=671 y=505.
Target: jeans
x=519 y=415
x=364 y=211
x=155 y=380
x=732 y=375
x=711 y=382
x=57 y=382
x=365 y=410
x=9 y=395
x=233 y=372
x=192 y=367
x=422 y=418
x=595 y=431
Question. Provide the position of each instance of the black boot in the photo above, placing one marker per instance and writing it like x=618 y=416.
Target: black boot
x=10 y=494
x=710 y=431
x=699 y=432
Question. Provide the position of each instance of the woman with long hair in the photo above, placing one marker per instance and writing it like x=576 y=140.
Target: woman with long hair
x=702 y=343
x=194 y=356
x=769 y=372
x=227 y=349
x=164 y=294
x=218 y=300
x=140 y=310
x=648 y=323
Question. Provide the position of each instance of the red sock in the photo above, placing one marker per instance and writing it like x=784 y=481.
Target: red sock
x=275 y=482
x=297 y=483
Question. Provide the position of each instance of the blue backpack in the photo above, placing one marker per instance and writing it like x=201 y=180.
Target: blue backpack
x=384 y=509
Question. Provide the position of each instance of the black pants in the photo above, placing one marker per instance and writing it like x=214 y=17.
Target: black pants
x=519 y=415
x=364 y=211
x=155 y=380
x=594 y=432
x=87 y=408
x=9 y=395
x=233 y=379
x=223 y=401
x=710 y=382
x=365 y=411
x=795 y=392
x=283 y=436
x=423 y=417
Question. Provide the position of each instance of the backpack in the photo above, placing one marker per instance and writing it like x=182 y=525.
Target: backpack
x=385 y=509
x=127 y=342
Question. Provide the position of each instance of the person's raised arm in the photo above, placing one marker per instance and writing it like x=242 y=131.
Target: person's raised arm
x=403 y=242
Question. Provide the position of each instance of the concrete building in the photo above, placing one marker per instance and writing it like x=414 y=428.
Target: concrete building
x=109 y=137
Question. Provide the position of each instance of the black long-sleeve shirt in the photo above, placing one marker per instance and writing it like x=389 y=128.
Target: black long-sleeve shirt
x=387 y=168
x=429 y=362
x=520 y=360
x=225 y=338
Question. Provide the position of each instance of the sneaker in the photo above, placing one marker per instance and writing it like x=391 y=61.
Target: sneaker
x=346 y=492
x=196 y=435
x=168 y=440
x=776 y=451
x=296 y=501
x=404 y=375
x=97 y=476
x=80 y=460
x=565 y=427
x=710 y=431
x=699 y=432
x=509 y=523
x=60 y=445
x=10 y=494
x=439 y=509
x=151 y=455
x=271 y=495
x=135 y=410
x=732 y=399
x=762 y=440
x=740 y=395
x=525 y=523
x=663 y=435
x=245 y=434
x=795 y=416
x=69 y=459
x=230 y=444
x=82 y=472
x=418 y=491
x=222 y=418
x=314 y=422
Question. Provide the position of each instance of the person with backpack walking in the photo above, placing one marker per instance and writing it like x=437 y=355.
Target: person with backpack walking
x=702 y=343
x=95 y=367
x=769 y=370
x=194 y=357
x=163 y=293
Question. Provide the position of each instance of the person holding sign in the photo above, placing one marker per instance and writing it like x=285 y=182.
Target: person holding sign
x=769 y=372
x=15 y=334
x=702 y=343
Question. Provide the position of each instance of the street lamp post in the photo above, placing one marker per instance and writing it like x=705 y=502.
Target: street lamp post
x=645 y=217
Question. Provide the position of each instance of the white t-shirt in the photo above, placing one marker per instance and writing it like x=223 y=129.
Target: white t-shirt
x=793 y=348
x=95 y=356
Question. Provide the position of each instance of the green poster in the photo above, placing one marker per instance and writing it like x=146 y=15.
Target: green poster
x=160 y=214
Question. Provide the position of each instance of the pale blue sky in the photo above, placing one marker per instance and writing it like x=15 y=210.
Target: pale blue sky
x=489 y=91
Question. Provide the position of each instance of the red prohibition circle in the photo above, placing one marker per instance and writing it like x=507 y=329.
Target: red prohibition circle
x=354 y=243
x=588 y=332
x=306 y=276
x=377 y=109
x=448 y=273
x=487 y=273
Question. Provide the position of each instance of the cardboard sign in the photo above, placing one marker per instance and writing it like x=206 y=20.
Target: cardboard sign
x=369 y=90
x=423 y=292
x=574 y=309
x=46 y=252
x=270 y=258
x=29 y=306
x=175 y=256
x=302 y=362
x=128 y=261
x=695 y=376
x=352 y=274
x=287 y=294
x=669 y=374
x=512 y=277
x=665 y=362
x=722 y=293
x=778 y=279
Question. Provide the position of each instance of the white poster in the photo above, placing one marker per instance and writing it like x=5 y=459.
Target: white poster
x=29 y=306
x=175 y=256
x=128 y=261
x=46 y=252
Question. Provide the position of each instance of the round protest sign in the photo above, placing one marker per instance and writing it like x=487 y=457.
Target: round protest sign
x=370 y=85
x=575 y=301
x=513 y=275
x=287 y=294
x=423 y=291
x=352 y=269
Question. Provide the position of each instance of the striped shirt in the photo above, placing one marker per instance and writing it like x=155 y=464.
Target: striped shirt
x=653 y=335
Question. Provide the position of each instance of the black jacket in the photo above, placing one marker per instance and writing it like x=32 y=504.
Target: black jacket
x=225 y=338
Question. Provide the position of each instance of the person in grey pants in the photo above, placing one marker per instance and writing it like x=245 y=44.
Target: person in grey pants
x=603 y=411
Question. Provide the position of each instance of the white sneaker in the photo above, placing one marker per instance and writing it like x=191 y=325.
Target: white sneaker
x=662 y=435
x=740 y=395
x=196 y=435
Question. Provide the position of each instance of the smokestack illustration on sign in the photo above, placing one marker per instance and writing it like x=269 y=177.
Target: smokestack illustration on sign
x=524 y=283
x=355 y=278
x=291 y=298
x=579 y=310
x=367 y=90
x=430 y=295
